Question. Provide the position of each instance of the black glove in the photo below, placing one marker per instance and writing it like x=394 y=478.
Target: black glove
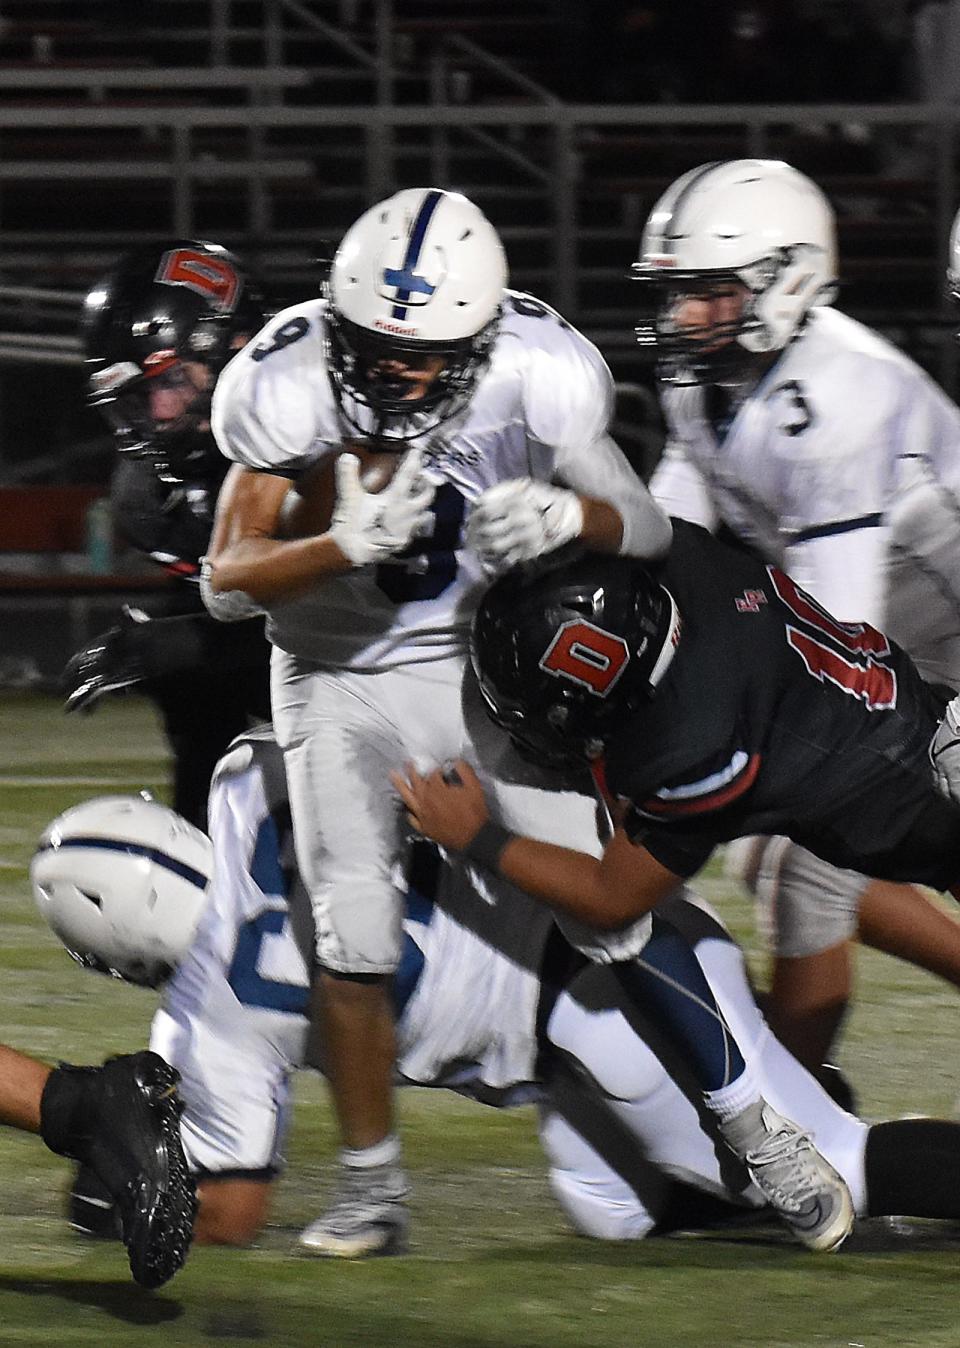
x=112 y=662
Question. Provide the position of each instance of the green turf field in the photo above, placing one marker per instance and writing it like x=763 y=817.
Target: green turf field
x=492 y=1265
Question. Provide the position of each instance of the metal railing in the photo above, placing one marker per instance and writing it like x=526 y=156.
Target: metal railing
x=525 y=138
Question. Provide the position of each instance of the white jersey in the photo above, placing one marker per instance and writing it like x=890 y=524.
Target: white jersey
x=469 y=993
x=540 y=409
x=843 y=467
x=234 y=1018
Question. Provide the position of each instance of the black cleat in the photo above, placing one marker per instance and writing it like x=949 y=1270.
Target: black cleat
x=122 y=1121
x=91 y=1209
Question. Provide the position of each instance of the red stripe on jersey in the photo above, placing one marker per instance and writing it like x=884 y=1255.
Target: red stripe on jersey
x=598 y=771
x=713 y=800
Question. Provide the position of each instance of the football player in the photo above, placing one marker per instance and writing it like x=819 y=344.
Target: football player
x=504 y=1012
x=500 y=409
x=810 y=439
x=716 y=699
x=120 y=1120
x=158 y=330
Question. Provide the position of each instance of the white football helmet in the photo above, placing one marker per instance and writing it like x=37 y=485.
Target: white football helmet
x=953 y=261
x=755 y=222
x=420 y=274
x=122 y=882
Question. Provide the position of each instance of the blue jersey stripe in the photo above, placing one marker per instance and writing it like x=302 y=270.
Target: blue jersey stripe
x=163 y=859
x=414 y=244
x=838 y=527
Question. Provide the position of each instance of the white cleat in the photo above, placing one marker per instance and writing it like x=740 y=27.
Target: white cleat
x=802 y=1187
x=368 y=1217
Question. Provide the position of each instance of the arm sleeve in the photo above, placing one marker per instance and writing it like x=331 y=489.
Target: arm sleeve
x=924 y=523
x=227 y=606
x=568 y=403
x=680 y=489
x=601 y=470
x=177 y=645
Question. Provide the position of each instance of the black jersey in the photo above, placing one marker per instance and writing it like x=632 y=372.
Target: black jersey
x=776 y=718
x=170 y=521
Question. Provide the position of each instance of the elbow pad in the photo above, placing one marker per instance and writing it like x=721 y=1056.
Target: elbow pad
x=227 y=606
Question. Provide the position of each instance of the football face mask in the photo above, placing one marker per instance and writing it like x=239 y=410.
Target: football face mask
x=695 y=325
x=161 y=414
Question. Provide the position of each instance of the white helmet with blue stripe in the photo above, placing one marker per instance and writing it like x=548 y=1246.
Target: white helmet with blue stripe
x=419 y=275
x=122 y=882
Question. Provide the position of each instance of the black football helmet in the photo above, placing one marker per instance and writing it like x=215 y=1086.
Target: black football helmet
x=167 y=316
x=564 y=653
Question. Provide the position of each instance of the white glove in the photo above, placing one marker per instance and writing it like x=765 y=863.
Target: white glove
x=370 y=526
x=945 y=752
x=520 y=520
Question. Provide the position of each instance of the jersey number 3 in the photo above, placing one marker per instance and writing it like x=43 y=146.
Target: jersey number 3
x=852 y=656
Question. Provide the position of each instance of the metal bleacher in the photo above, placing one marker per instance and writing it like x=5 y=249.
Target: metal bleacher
x=270 y=124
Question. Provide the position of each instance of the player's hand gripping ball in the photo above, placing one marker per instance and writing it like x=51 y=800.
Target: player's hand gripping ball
x=311 y=501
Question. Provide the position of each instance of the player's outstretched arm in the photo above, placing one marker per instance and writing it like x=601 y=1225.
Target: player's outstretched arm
x=604 y=892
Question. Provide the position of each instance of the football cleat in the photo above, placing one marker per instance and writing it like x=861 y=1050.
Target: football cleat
x=91 y=1210
x=797 y=1182
x=369 y=1216
x=122 y=1120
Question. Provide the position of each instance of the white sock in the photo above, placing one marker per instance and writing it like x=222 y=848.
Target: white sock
x=385 y=1152
x=731 y=1100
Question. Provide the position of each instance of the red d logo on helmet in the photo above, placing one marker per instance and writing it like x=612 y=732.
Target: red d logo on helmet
x=586 y=655
x=212 y=277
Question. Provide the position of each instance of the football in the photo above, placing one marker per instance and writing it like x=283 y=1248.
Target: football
x=309 y=504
